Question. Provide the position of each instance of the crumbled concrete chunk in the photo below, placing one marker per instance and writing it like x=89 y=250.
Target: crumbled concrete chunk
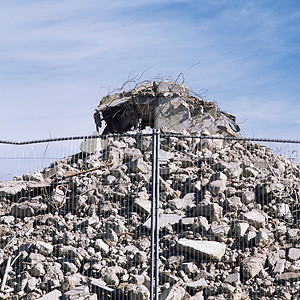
x=232 y=278
x=251 y=266
x=164 y=220
x=28 y=209
x=173 y=293
x=294 y=254
x=205 y=249
x=255 y=218
x=197 y=285
x=53 y=295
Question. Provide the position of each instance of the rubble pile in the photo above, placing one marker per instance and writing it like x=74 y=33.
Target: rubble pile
x=229 y=223
x=80 y=229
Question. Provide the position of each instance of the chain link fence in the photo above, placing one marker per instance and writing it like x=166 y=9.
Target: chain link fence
x=225 y=218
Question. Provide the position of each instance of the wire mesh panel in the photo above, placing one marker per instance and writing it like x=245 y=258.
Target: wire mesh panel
x=229 y=222
x=19 y=159
x=79 y=227
x=76 y=219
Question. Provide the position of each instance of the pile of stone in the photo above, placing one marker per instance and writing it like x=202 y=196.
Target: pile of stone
x=229 y=223
x=80 y=229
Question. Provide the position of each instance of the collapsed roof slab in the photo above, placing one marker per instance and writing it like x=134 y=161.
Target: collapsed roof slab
x=162 y=105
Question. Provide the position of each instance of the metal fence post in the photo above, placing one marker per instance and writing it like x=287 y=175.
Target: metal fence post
x=153 y=195
x=157 y=146
x=154 y=261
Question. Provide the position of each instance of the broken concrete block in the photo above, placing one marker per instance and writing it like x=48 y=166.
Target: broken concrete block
x=212 y=211
x=139 y=165
x=248 y=197
x=143 y=205
x=28 y=208
x=279 y=267
x=294 y=254
x=197 y=296
x=292 y=233
x=113 y=156
x=187 y=221
x=31 y=284
x=202 y=249
x=69 y=267
x=219 y=229
x=217 y=186
x=99 y=287
x=251 y=266
x=175 y=292
x=56 y=171
x=218 y=176
x=201 y=224
x=164 y=220
x=255 y=218
x=241 y=228
x=188 y=201
x=91 y=145
x=232 y=278
x=38 y=270
x=174 y=115
x=263 y=238
x=233 y=203
x=288 y=276
x=165 y=157
x=189 y=268
x=53 y=295
x=166 y=187
x=44 y=248
x=283 y=210
x=197 y=285
x=280 y=231
x=250 y=172
x=138 y=292
x=12 y=190
x=167 y=86
x=79 y=292
x=110 y=237
x=35 y=258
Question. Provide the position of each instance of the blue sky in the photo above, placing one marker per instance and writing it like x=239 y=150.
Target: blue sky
x=58 y=58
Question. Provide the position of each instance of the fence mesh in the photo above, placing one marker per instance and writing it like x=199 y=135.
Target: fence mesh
x=78 y=223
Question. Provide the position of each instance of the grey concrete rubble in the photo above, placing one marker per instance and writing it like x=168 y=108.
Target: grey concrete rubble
x=207 y=249
x=229 y=216
x=178 y=111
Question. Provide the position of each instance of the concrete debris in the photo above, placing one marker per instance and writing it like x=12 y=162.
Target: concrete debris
x=232 y=278
x=229 y=216
x=255 y=218
x=91 y=145
x=164 y=105
x=251 y=266
x=196 y=285
x=279 y=267
x=202 y=249
x=53 y=295
x=175 y=292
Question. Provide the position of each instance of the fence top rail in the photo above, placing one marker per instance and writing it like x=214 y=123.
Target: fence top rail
x=82 y=137
x=50 y=140
x=231 y=138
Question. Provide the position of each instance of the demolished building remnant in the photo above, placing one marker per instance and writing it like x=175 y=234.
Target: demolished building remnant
x=166 y=106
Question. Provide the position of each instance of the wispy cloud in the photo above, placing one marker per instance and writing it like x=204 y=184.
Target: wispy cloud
x=60 y=53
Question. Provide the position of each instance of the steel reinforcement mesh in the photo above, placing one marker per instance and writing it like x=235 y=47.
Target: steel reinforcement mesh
x=78 y=223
